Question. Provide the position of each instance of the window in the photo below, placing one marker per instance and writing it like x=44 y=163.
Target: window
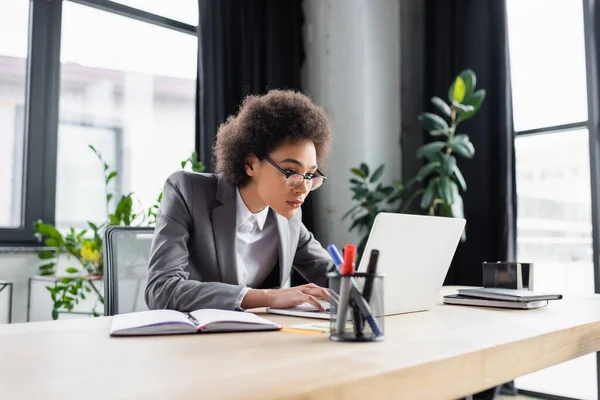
x=182 y=10
x=14 y=23
x=130 y=93
x=120 y=76
x=553 y=169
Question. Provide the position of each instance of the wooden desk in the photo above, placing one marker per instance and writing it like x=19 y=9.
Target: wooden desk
x=446 y=353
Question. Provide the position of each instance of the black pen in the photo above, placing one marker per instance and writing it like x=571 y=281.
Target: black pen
x=371 y=270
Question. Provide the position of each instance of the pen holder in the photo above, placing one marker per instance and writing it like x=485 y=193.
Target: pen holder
x=363 y=318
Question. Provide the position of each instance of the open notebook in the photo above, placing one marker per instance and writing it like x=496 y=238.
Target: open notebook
x=170 y=322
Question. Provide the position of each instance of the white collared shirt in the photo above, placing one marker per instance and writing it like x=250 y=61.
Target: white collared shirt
x=257 y=242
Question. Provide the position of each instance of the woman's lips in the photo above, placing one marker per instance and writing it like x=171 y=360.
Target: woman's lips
x=295 y=203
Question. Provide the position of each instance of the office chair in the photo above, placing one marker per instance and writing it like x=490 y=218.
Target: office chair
x=126 y=254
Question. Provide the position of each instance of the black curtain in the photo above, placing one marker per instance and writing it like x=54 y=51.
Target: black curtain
x=244 y=47
x=456 y=35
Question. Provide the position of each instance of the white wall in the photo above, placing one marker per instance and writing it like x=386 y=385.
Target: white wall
x=352 y=70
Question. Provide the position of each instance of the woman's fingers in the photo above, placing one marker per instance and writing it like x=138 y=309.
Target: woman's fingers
x=310 y=299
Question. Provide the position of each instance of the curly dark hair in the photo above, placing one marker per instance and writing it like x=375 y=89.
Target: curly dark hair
x=265 y=122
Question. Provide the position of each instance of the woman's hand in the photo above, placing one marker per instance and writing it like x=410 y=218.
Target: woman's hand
x=290 y=297
x=287 y=297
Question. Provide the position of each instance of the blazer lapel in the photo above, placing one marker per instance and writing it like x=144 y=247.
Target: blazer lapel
x=284 y=248
x=223 y=224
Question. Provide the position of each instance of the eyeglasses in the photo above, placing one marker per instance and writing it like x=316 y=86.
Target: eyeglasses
x=294 y=179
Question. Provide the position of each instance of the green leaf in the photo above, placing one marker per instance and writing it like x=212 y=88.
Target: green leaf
x=350 y=211
x=105 y=167
x=387 y=190
x=360 y=193
x=54 y=314
x=358 y=173
x=365 y=169
x=447 y=190
x=462 y=107
x=460 y=178
x=72 y=270
x=47 y=267
x=111 y=176
x=64 y=281
x=361 y=221
x=183 y=164
x=93 y=226
x=475 y=100
x=109 y=197
x=457 y=90
x=48 y=231
x=448 y=165
x=462 y=145
x=82 y=295
x=46 y=255
x=468 y=76
x=377 y=174
x=52 y=242
x=378 y=196
x=93 y=148
x=356 y=181
x=427 y=169
x=427 y=198
x=428 y=149
x=433 y=123
x=442 y=106
x=47 y=273
x=87 y=289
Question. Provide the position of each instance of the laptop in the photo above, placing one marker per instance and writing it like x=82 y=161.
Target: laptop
x=415 y=252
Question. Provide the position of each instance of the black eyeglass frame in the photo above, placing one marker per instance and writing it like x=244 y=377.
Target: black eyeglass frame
x=290 y=173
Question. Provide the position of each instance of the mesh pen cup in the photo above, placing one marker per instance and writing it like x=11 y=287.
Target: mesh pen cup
x=358 y=313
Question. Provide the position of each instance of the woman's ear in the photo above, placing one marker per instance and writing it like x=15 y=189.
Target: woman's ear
x=251 y=166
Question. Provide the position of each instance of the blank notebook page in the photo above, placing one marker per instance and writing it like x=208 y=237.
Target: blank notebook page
x=208 y=316
x=148 y=318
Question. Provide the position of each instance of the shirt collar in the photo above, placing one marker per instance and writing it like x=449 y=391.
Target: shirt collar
x=244 y=214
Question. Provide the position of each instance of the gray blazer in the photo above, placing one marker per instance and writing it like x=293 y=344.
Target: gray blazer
x=193 y=255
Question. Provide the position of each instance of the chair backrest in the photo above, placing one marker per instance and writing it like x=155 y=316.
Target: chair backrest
x=126 y=255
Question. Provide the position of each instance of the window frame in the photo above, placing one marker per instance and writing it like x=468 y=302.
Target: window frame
x=42 y=96
x=592 y=124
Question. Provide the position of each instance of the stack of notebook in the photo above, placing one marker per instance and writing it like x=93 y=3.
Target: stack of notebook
x=502 y=298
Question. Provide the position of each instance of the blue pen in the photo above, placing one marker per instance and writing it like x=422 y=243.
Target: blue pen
x=355 y=293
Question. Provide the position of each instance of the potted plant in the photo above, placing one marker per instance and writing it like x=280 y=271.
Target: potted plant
x=439 y=182
x=83 y=248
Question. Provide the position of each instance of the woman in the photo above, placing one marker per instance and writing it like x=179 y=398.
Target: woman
x=229 y=240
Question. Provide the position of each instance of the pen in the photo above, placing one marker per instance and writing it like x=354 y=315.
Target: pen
x=371 y=270
x=345 y=271
x=335 y=256
x=363 y=305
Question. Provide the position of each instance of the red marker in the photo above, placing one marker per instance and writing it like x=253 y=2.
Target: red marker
x=349 y=256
